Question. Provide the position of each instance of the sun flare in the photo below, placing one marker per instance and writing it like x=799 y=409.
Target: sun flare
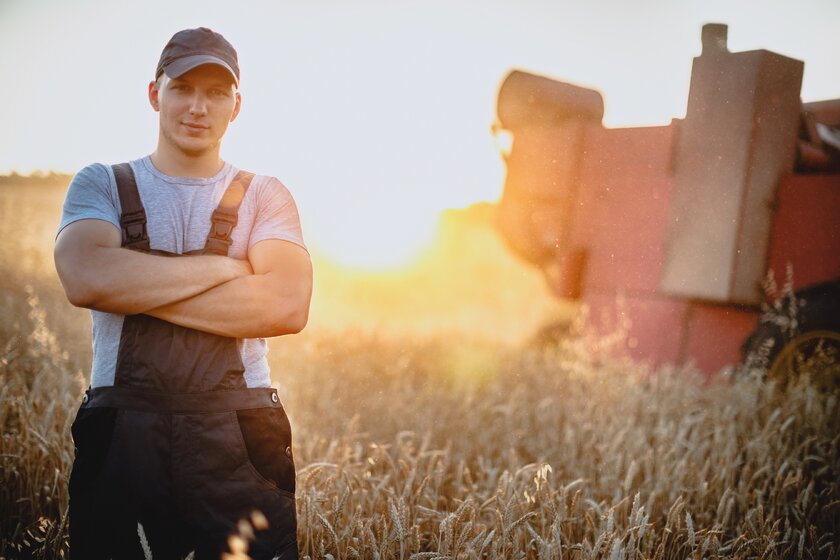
x=381 y=242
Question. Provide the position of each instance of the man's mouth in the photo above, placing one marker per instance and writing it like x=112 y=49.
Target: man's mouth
x=195 y=126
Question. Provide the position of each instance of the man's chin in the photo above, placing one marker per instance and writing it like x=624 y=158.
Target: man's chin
x=195 y=151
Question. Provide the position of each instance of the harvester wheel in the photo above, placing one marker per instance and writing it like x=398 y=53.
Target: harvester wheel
x=815 y=354
x=813 y=349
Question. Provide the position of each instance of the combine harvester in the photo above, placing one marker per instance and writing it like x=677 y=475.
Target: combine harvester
x=681 y=223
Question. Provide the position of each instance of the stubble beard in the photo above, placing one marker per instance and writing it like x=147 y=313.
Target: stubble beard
x=186 y=150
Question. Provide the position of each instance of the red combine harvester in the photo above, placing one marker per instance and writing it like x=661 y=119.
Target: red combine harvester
x=682 y=222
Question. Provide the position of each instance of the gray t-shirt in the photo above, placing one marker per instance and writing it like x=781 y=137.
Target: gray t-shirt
x=178 y=213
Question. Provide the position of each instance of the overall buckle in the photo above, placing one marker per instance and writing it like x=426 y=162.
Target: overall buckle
x=222 y=225
x=134 y=226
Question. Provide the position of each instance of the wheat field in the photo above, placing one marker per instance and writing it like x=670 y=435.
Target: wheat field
x=450 y=445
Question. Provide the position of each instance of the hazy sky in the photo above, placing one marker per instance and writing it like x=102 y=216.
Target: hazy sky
x=375 y=114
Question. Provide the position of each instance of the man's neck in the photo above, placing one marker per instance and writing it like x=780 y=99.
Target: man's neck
x=181 y=165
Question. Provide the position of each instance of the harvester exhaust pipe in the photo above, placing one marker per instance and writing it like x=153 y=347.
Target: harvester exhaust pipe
x=713 y=37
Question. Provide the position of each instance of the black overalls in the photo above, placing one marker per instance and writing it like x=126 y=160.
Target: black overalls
x=179 y=445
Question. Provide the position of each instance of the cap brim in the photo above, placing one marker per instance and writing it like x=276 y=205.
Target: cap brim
x=181 y=66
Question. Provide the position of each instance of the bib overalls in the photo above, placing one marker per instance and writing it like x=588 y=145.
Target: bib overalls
x=179 y=444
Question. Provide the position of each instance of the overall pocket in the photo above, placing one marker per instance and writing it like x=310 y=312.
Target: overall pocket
x=267 y=435
x=92 y=431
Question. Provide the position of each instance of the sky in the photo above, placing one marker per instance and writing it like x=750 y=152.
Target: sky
x=375 y=114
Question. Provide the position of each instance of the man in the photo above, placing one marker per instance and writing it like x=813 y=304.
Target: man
x=186 y=264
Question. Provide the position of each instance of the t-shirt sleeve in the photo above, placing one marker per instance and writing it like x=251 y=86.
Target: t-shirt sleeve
x=276 y=216
x=90 y=197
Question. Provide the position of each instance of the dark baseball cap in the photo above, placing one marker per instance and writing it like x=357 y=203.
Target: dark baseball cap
x=190 y=48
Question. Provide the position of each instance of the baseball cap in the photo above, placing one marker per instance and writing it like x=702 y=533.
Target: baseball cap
x=190 y=48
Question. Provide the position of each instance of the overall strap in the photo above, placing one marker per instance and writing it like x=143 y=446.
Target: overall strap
x=133 y=216
x=226 y=215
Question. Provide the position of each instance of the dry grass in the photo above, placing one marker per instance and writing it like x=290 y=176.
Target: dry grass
x=429 y=447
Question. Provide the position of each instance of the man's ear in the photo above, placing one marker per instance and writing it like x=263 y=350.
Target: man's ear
x=153 y=95
x=236 y=107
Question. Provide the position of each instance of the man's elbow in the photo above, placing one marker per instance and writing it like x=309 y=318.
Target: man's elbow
x=78 y=292
x=79 y=298
x=86 y=292
x=77 y=276
x=291 y=321
x=299 y=320
x=86 y=296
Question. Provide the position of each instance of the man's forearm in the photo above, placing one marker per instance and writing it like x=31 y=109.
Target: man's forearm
x=119 y=280
x=247 y=307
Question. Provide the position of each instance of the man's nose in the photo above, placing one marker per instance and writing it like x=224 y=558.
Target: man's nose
x=198 y=105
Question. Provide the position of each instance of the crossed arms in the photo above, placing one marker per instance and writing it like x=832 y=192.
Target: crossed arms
x=266 y=295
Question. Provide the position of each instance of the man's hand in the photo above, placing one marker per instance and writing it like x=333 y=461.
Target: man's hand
x=272 y=302
x=98 y=274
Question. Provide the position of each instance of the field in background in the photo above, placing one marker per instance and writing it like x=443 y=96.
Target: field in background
x=423 y=430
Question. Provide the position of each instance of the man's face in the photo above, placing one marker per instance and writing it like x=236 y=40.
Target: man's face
x=195 y=108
